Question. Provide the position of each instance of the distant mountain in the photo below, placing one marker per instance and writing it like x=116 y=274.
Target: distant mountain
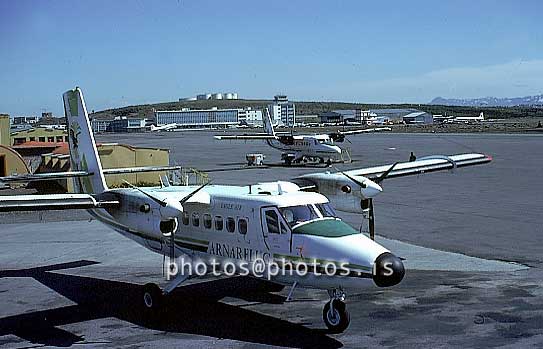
x=491 y=101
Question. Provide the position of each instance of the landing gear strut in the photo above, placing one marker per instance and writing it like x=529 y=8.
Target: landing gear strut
x=335 y=315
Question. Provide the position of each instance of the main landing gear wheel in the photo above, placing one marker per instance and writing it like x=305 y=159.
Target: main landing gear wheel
x=335 y=316
x=152 y=297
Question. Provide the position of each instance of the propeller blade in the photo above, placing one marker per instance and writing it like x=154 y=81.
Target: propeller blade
x=371 y=220
x=172 y=244
x=385 y=174
x=361 y=184
x=157 y=200
x=187 y=198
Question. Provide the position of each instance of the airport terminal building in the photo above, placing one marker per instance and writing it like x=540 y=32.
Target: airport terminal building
x=198 y=118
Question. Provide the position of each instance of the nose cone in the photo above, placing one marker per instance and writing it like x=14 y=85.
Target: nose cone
x=388 y=270
x=371 y=189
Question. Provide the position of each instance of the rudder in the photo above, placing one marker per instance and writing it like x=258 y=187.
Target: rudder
x=83 y=152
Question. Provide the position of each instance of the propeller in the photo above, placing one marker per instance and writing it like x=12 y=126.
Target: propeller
x=385 y=174
x=337 y=137
x=369 y=189
x=371 y=219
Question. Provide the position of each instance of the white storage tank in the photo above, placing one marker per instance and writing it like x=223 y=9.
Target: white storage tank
x=228 y=95
x=234 y=95
x=216 y=96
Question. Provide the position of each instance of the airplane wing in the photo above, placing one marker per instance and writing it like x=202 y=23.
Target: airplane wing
x=245 y=137
x=52 y=202
x=422 y=165
x=366 y=130
x=399 y=169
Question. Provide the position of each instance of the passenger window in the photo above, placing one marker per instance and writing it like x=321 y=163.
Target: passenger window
x=230 y=224
x=272 y=222
x=195 y=219
x=185 y=218
x=207 y=221
x=242 y=226
x=219 y=223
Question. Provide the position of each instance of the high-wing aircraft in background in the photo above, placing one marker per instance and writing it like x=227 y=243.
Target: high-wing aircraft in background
x=284 y=224
x=297 y=148
x=469 y=119
x=167 y=127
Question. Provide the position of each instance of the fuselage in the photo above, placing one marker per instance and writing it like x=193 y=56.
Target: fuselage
x=269 y=222
x=321 y=146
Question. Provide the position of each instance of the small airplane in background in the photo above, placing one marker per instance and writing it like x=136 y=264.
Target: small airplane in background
x=298 y=148
x=167 y=127
x=53 y=127
x=469 y=119
x=286 y=223
x=460 y=119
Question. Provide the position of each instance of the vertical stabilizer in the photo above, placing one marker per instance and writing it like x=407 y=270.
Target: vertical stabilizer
x=83 y=152
x=268 y=126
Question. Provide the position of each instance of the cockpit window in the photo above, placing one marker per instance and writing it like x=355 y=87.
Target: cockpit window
x=331 y=228
x=295 y=215
x=326 y=210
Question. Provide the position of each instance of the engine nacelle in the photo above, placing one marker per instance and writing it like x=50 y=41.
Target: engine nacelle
x=349 y=203
x=344 y=194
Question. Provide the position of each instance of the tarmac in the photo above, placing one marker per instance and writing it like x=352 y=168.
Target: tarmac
x=471 y=240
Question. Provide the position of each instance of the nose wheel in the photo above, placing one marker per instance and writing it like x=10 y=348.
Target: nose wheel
x=151 y=297
x=335 y=314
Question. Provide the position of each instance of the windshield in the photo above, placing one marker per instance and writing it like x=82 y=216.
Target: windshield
x=331 y=228
x=326 y=210
x=295 y=215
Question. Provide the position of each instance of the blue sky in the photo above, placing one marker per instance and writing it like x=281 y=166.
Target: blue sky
x=131 y=52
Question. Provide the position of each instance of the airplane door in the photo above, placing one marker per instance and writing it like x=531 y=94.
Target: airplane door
x=277 y=235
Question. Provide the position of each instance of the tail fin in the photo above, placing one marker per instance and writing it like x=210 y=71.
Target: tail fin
x=83 y=153
x=268 y=127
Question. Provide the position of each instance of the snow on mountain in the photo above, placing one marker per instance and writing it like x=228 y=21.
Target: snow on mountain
x=491 y=101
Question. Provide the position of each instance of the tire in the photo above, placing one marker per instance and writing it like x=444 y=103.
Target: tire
x=339 y=320
x=151 y=298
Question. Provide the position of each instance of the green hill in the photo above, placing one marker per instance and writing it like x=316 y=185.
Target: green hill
x=310 y=108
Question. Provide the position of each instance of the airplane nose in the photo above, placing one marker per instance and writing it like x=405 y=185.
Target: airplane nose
x=388 y=270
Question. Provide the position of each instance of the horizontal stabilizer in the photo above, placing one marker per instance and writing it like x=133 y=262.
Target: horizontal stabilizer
x=366 y=130
x=74 y=174
x=246 y=137
x=52 y=202
x=112 y=171
x=43 y=176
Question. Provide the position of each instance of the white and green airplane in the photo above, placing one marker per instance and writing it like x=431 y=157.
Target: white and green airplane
x=276 y=226
x=298 y=147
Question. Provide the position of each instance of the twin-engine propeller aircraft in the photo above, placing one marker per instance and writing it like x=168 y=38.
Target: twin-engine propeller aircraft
x=167 y=127
x=280 y=224
x=297 y=148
